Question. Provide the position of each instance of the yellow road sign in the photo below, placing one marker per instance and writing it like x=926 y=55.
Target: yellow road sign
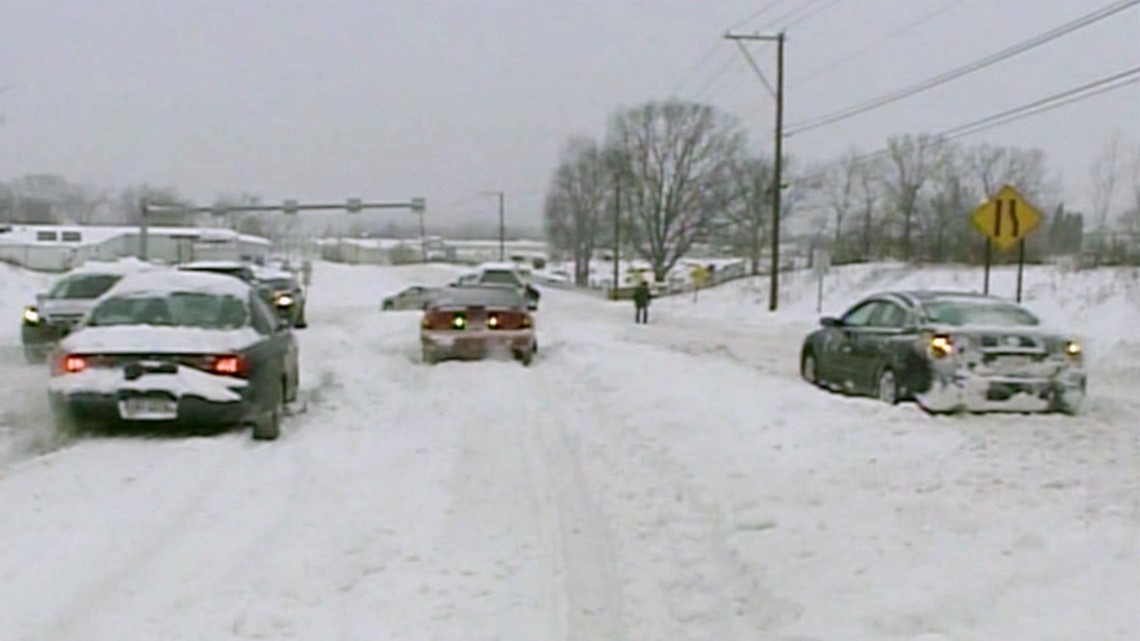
x=700 y=275
x=1006 y=218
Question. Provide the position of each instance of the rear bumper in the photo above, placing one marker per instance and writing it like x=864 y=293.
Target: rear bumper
x=101 y=409
x=477 y=344
x=965 y=391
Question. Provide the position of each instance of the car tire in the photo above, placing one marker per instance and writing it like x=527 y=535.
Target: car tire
x=269 y=427
x=887 y=387
x=387 y=306
x=526 y=357
x=428 y=356
x=809 y=368
x=1069 y=404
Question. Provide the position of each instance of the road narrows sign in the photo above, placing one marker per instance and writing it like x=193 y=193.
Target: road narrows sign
x=1006 y=218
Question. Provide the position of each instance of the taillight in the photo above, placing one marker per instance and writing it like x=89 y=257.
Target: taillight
x=493 y=321
x=72 y=364
x=526 y=322
x=228 y=365
x=459 y=321
x=426 y=322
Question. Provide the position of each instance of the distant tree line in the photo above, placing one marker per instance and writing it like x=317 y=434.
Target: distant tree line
x=668 y=175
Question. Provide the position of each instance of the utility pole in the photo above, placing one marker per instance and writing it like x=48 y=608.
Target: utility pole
x=778 y=161
x=617 y=232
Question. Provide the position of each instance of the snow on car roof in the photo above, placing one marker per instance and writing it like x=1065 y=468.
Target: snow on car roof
x=119 y=267
x=213 y=264
x=499 y=265
x=165 y=282
x=485 y=295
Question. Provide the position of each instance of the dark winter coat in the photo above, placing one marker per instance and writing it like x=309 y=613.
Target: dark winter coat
x=641 y=295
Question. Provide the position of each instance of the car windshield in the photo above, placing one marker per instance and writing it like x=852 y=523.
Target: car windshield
x=83 y=287
x=481 y=296
x=965 y=312
x=178 y=309
x=502 y=277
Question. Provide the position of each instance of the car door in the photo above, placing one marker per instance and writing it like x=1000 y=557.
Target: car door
x=871 y=345
x=841 y=360
x=274 y=358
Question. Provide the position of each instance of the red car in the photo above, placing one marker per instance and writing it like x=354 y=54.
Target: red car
x=478 y=321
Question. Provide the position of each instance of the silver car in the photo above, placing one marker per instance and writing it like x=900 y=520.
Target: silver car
x=415 y=297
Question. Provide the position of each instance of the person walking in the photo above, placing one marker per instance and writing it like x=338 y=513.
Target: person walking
x=641 y=297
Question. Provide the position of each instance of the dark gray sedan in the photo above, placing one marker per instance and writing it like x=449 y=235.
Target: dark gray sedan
x=949 y=351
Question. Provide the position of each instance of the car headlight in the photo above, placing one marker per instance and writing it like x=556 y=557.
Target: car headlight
x=1073 y=349
x=284 y=300
x=32 y=316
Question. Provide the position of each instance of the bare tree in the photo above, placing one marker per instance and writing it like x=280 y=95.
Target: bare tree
x=677 y=156
x=1105 y=176
x=575 y=201
x=912 y=161
x=870 y=192
x=749 y=210
x=842 y=185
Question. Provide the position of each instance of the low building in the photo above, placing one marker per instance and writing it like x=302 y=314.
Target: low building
x=64 y=247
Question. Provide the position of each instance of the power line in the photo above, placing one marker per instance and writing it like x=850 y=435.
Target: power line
x=759 y=12
x=1084 y=92
x=851 y=56
x=972 y=67
x=1077 y=94
x=809 y=14
x=707 y=56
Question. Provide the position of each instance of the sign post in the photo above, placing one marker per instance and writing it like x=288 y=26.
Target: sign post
x=1005 y=220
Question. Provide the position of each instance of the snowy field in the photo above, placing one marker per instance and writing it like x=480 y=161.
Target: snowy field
x=669 y=482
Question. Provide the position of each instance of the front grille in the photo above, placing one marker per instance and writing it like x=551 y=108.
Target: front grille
x=64 y=319
x=1011 y=342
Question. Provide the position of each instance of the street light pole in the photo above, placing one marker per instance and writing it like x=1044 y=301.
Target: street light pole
x=502 y=228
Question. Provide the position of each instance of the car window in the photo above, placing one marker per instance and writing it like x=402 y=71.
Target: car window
x=889 y=315
x=263 y=319
x=83 y=287
x=176 y=309
x=860 y=315
x=978 y=312
x=500 y=277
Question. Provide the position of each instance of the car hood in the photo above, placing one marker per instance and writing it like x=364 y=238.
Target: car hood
x=146 y=339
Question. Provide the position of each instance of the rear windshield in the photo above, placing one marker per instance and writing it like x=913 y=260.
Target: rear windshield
x=179 y=309
x=83 y=287
x=480 y=296
x=280 y=283
x=961 y=313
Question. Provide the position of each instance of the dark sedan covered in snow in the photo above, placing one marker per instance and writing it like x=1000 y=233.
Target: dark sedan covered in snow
x=176 y=349
x=949 y=351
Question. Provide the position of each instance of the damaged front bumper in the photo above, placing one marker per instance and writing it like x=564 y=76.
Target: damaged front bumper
x=961 y=390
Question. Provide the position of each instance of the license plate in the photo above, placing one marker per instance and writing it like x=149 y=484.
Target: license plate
x=148 y=409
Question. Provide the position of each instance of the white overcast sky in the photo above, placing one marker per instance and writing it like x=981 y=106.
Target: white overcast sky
x=389 y=99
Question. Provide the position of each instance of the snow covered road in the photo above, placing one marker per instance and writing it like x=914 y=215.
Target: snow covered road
x=668 y=482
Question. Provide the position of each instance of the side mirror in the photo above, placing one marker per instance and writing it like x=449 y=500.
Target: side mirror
x=532 y=305
x=830 y=321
